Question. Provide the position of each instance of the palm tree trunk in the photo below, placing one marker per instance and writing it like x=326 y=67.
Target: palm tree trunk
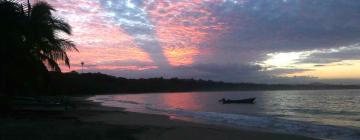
x=29 y=7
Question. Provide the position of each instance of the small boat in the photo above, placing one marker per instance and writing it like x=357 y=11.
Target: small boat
x=241 y=101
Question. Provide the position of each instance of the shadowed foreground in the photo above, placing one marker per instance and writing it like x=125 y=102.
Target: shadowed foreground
x=91 y=121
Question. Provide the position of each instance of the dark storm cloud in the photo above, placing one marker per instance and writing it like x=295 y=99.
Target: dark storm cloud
x=265 y=26
x=220 y=72
x=223 y=72
x=344 y=53
x=294 y=25
x=229 y=72
x=280 y=71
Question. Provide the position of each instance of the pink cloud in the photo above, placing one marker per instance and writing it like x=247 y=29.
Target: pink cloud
x=100 y=40
x=181 y=27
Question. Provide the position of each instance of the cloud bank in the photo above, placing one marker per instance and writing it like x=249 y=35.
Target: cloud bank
x=227 y=40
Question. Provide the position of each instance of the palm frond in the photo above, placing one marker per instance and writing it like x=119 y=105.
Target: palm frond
x=41 y=8
x=61 y=25
x=50 y=63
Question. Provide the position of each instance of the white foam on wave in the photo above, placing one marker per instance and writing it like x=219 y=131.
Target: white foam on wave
x=243 y=121
x=269 y=123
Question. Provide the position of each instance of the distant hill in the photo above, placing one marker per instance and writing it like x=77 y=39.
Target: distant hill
x=74 y=83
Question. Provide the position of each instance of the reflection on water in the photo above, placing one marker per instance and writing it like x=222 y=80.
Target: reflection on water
x=188 y=101
x=317 y=112
x=182 y=101
x=336 y=107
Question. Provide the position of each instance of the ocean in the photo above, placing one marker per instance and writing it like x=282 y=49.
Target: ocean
x=328 y=114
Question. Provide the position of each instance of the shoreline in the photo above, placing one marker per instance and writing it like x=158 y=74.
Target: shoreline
x=157 y=120
x=91 y=120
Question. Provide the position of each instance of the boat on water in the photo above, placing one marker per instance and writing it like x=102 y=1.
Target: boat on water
x=241 y=101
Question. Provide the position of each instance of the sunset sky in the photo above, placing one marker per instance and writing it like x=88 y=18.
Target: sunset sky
x=278 y=41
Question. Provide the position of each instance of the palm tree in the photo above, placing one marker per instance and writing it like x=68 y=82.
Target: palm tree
x=42 y=36
x=82 y=67
x=30 y=45
x=12 y=52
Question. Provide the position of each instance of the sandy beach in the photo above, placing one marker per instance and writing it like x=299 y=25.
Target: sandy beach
x=93 y=121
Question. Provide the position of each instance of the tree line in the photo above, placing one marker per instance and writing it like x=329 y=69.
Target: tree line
x=74 y=83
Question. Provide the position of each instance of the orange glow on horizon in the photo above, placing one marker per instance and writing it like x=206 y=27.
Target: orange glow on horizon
x=129 y=68
x=349 y=69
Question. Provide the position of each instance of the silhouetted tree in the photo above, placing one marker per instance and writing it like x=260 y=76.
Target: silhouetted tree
x=42 y=37
x=30 y=45
x=82 y=67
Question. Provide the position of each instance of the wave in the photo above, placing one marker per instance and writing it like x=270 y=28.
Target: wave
x=105 y=98
x=270 y=123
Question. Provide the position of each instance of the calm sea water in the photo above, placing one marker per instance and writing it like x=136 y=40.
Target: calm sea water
x=330 y=114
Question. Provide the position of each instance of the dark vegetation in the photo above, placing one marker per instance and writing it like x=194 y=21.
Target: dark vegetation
x=30 y=46
x=74 y=83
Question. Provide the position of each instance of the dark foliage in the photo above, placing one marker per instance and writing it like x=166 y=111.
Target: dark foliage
x=30 y=46
x=74 y=83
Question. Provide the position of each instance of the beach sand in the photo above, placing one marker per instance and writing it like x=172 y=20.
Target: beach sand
x=93 y=121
